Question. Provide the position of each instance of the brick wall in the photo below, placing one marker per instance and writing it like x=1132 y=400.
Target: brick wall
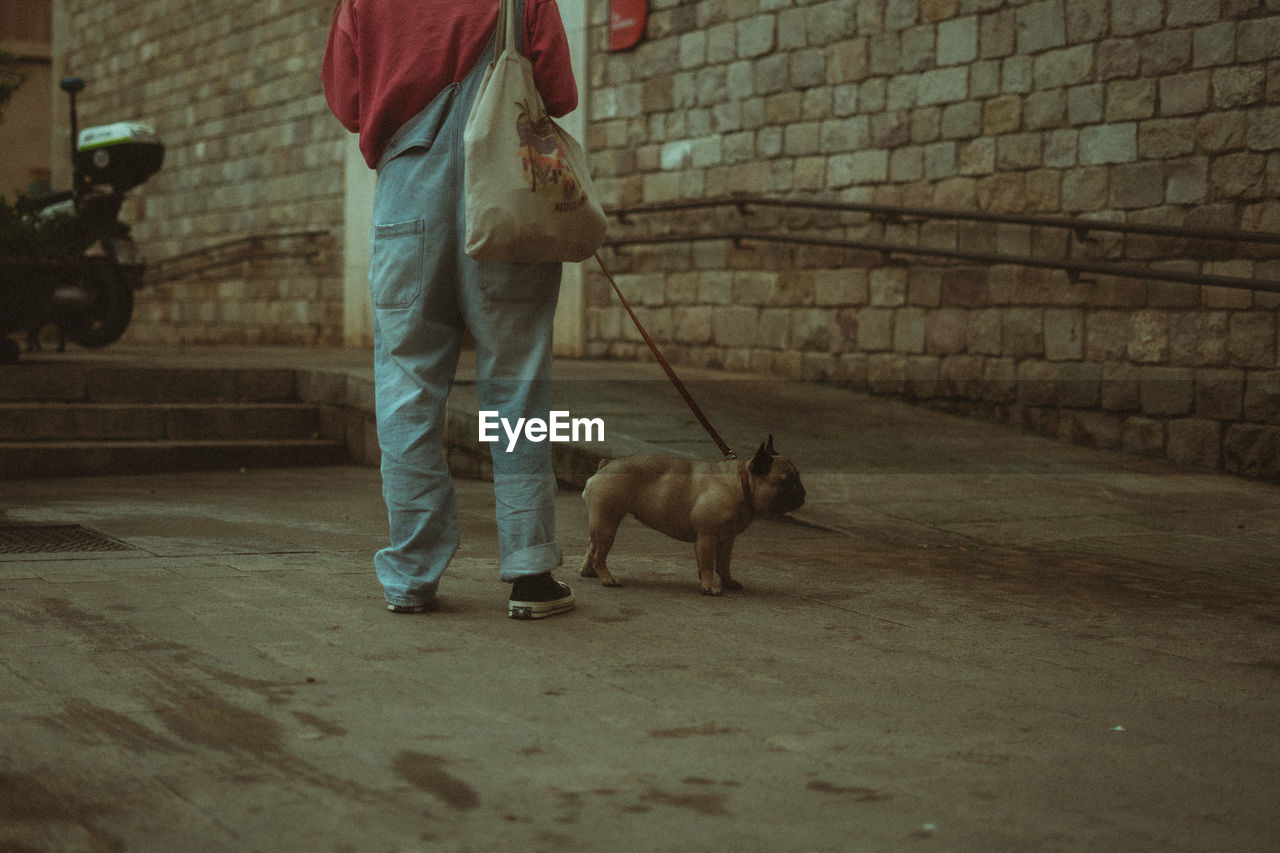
x=233 y=90
x=1159 y=111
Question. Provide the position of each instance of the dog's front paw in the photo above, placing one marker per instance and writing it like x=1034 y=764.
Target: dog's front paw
x=731 y=584
x=610 y=581
x=711 y=590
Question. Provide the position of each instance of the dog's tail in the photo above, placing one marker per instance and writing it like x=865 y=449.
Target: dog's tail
x=600 y=467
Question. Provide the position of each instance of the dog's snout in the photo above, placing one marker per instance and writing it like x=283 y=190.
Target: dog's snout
x=791 y=497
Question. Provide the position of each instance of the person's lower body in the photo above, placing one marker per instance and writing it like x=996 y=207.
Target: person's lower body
x=426 y=293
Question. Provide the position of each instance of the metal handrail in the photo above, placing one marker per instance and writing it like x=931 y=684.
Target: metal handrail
x=1073 y=267
x=234 y=251
x=1073 y=223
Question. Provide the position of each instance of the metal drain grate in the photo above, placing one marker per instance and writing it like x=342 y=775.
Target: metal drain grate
x=54 y=539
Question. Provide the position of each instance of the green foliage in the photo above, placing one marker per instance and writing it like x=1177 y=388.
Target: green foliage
x=26 y=235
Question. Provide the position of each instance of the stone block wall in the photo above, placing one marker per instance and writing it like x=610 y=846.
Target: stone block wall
x=251 y=149
x=1144 y=111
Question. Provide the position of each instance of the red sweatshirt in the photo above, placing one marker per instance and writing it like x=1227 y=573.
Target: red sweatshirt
x=388 y=59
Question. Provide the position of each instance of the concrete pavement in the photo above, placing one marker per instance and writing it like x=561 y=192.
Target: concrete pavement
x=969 y=639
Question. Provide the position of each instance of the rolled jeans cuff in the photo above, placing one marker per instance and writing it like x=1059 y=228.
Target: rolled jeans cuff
x=531 y=561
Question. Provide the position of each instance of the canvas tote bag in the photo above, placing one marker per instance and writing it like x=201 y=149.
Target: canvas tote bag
x=528 y=190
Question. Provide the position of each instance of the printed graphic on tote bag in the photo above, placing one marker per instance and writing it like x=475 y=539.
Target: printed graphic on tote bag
x=546 y=165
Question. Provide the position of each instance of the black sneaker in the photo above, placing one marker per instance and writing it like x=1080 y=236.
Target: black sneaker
x=539 y=596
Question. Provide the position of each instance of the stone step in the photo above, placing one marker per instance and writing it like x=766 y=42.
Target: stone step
x=35 y=459
x=158 y=421
x=95 y=383
x=94 y=418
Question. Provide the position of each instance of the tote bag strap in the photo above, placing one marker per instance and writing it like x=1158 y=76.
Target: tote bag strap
x=510 y=26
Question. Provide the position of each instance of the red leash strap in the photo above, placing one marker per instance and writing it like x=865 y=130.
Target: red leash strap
x=671 y=374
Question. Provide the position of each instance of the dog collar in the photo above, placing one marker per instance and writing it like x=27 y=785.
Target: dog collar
x=746 y=487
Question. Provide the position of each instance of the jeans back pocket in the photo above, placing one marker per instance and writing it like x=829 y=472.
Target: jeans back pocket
x=396 y=263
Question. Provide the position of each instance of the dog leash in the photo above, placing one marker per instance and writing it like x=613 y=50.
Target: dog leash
x=675 y=380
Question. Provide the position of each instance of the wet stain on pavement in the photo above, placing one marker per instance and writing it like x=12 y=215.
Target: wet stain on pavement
x=706 y=797
x=983 y=759
x=323 y=726
x=427 y=773
x=120 y=729
x=188 y=710
x=858 y=795
x=1266 y=666
x=635 y=808
x=702 y=802
x=1058 y=580
x=570 y=805
x=275 y=692
x=25 y=800
x=693 y=731
x=102 y=632
x=190 y=719
x=698 y=780
x=625 y=614
x=212 y=722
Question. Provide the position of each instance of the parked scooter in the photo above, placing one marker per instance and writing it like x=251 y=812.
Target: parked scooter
x=87 y=292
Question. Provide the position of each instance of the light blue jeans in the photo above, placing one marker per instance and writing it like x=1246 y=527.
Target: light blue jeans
x=426 y=291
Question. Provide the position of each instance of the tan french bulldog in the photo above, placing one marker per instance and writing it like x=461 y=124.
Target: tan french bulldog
x=706 y=503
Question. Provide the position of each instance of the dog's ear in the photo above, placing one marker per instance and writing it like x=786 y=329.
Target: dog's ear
x=763 y=460
x=768 y=446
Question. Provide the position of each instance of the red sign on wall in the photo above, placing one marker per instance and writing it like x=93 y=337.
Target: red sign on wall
x=626 y=23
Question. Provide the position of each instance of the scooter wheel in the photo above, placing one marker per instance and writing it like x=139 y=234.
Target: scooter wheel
x=109 y=311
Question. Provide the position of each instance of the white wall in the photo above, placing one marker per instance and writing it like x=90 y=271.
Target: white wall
x=358 y=186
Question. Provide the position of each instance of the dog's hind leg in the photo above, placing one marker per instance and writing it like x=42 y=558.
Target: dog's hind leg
x=724 y=553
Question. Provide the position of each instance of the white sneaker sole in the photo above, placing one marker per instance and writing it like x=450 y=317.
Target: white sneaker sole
x=539 y=609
